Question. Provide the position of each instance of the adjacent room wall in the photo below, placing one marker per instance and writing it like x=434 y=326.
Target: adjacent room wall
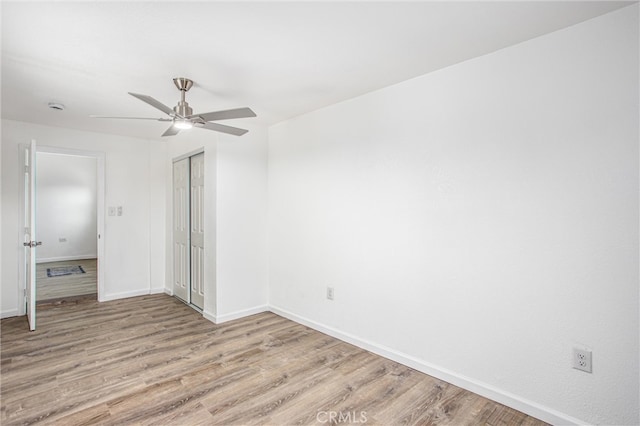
x=66 y=207
x=128 y=257
x=478 y=222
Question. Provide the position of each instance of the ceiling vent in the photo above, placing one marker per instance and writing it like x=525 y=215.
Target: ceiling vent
x=56 y=106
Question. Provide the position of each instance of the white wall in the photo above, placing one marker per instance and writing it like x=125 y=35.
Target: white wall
x=241 y=199
x=157 y=215
x=128 y=257
x=66 y=207
x=478 y=222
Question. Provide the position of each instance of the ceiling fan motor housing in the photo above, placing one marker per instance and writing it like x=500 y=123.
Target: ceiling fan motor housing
x=183 y=109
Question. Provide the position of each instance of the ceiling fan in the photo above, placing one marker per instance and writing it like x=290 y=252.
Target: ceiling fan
x=182 y=116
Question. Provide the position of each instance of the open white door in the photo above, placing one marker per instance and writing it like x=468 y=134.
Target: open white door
x=30 y=242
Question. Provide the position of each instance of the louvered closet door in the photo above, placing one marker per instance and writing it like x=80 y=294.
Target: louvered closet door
x=197 y=230
x=181 y=273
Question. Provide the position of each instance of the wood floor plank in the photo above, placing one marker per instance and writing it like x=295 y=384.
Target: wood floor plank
x=152 y=360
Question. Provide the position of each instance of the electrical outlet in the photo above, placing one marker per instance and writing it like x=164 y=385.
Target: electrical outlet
x=62 y=240
x=330 y=293
x=111 y=211
x=119 y=210
x=582 y=359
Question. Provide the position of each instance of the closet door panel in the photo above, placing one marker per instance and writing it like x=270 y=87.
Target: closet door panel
x=181 y=251
x=197 y=230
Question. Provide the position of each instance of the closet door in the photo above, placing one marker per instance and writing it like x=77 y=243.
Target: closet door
x=197 y=230
x=181 y=273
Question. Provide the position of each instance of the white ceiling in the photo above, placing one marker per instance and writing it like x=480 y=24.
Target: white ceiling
x=282 y=59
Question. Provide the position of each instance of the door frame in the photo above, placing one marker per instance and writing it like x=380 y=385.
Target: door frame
x=30 y=220
x=100 y=210
x=187 y=155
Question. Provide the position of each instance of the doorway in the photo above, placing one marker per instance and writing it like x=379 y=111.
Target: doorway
x=66 y=220
x=29 y=210
x=188 y=229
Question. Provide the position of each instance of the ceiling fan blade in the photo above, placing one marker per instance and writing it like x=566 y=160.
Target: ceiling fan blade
x=171 y=131
x=131 y=118
x=222 y=128
x=226 y=114
x=154 y=103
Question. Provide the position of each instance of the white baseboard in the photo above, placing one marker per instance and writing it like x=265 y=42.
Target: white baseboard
x=168 y=291
x=219 y=319
x=531 y=408
x=157 y=290
x=123 y=295
x=65 y=258
x=10 y=313
x=210 y=316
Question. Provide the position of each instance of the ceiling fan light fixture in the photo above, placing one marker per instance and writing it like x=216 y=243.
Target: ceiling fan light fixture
x=183 y=124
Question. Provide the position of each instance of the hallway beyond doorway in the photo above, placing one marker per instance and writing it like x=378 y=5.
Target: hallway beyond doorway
x=67 y=287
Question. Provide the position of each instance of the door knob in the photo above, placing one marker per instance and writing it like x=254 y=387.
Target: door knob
x=32 y=244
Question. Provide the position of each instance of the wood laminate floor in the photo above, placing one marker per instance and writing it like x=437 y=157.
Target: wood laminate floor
x=66 y=287
x=153 y=360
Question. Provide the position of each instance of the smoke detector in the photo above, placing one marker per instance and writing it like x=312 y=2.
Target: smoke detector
x=56 y=106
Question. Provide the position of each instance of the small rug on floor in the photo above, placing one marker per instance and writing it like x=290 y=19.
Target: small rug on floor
x=64 y=270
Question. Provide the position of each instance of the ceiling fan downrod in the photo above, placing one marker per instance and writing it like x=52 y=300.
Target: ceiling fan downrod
x=183 y=84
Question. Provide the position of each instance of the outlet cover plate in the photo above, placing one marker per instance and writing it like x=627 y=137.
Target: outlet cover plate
x=330 y=293
x=582 y=360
